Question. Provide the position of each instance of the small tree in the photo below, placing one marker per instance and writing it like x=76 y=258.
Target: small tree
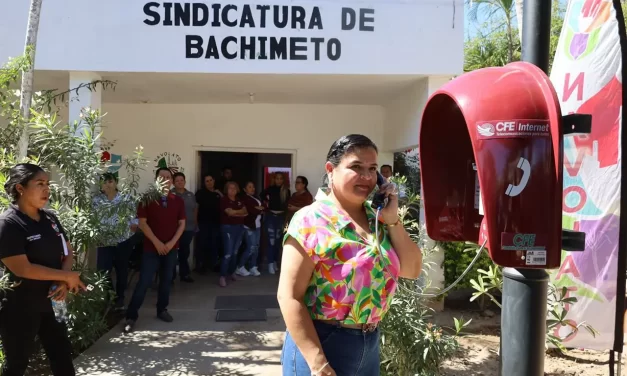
x=76 y=165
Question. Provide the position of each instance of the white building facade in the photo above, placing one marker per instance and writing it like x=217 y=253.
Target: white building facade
x=280 y=77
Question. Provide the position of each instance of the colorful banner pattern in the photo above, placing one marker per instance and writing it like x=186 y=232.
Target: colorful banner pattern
x=587 y=77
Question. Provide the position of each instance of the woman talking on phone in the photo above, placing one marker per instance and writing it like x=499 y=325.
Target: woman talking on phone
x=35 y=251
x=340 y=268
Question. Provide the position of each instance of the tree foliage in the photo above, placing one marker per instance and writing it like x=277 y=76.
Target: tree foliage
x=491 y=47
x=71 y=153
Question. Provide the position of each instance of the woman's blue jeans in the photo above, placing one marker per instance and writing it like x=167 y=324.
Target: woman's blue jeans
x=252 y=247
x=350 y=352
x=274 y=230
x=231 y=240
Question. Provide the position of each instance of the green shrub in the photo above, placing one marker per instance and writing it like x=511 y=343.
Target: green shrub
x=456 y=260
x=410 y=343
x=76 y=166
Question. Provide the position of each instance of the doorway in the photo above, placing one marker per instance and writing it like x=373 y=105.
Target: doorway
x=245 y=167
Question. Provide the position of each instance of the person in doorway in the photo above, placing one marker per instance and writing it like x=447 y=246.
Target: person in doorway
x=299 y=199
x=226 y=176
x=233 y=214
x=252 y=232
x=208 y=250
x=163 y=223
x=116 y=249
x=191 y=225
x=275 y=198
x=335 y=249
x=386 y=171
x=35 y=252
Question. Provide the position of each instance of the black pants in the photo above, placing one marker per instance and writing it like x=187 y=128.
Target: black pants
x=18 y=329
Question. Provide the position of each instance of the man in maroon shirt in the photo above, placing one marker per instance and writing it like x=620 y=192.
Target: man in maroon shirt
x=162 y=223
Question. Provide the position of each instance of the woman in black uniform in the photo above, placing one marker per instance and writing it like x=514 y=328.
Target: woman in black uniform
x=35 y=251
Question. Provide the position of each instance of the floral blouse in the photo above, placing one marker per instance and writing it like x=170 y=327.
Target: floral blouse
x=351 y=281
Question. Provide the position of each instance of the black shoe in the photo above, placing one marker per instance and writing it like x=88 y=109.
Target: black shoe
x=165 y=316
x=129 y=325
x=187 y=279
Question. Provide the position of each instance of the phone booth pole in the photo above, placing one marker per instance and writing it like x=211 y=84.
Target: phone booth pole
x=523 y=317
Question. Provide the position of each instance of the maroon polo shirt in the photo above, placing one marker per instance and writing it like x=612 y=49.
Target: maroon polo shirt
x=163 y=219
x=237 y=204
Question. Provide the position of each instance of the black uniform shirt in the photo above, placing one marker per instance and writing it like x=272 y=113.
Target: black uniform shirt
x=208 y=206
x=43 y=244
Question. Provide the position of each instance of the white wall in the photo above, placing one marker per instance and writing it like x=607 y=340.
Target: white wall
x=307 y=130
x=414 y=37
x=403 y=113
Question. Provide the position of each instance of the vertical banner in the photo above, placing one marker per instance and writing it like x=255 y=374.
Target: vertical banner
x=587 y=75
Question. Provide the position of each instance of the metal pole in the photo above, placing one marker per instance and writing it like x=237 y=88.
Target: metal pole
x=523 y=317
x=537 y=33
x=523 y=321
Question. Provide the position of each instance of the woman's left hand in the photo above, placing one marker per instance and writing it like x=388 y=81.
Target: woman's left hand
x=60 y=293
x=389 y=213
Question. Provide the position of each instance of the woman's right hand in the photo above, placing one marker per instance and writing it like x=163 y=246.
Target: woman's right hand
x=74 y=283
x=324 y=370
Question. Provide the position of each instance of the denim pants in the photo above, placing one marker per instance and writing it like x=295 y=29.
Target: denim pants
x=231 y=240
x=116 y=257
x=252 y=237
x=151 y=263
x=274 y=230
x=350 y=352
x=185 y=243
x=206 y=254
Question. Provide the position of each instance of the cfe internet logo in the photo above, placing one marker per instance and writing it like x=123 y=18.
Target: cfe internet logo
x=513 y=129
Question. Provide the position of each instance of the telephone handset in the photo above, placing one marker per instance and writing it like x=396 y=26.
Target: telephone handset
x=515 y=190
x=379 y=201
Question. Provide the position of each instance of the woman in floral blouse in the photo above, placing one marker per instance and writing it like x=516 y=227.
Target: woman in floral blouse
x=338 y=279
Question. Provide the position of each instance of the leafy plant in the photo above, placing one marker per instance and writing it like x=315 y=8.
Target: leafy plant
x=71 y=153
x=491 y=280
x=558 y=303
x=410 y=344
x=457 y=257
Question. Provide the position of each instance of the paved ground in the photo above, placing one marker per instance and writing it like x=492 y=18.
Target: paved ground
x=194 y=344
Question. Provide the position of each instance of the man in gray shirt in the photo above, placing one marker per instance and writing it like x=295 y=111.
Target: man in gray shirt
x=191 y=225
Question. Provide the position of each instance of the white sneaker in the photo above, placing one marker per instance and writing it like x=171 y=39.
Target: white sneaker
x=242 y=271
x=271 y=269
x=254 y=271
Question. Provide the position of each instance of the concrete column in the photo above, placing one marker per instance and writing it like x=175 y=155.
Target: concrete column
x=85 y=97
x=437 y=274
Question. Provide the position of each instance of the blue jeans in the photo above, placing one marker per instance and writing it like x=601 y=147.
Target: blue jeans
x=252 y=247
x=184 y=249
x=231 y=240
x=274 y=230
x=206 y=254
x=116 y=257
x=350 y=352
x=151 y=263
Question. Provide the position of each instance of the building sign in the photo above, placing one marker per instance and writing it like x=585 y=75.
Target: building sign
x=258 y=19
x=378 y=37
x=171 y=161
